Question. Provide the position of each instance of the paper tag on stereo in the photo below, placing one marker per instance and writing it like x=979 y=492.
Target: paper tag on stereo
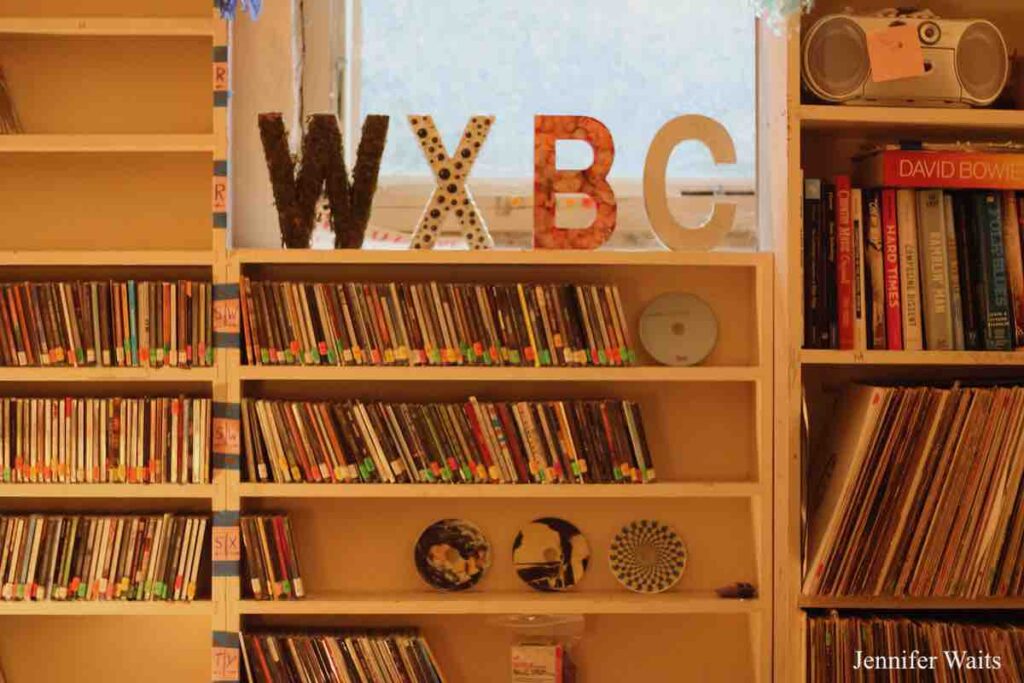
x=895 y=53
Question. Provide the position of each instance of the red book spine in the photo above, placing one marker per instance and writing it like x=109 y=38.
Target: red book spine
x=891 y=260
x=844 y=262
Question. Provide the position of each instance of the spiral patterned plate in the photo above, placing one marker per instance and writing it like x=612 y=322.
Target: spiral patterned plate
x=648 y=556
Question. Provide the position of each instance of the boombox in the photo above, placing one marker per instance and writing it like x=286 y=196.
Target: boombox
x=966 y=62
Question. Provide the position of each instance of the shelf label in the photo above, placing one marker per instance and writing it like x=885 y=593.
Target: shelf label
x=226 y=544
x=225 y=664
x=220 y=194
x=226 y=316
x=226 y=438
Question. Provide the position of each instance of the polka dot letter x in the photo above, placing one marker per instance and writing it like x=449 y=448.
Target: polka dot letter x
x=451 y=195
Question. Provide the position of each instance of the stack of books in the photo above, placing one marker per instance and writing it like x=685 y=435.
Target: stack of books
x=356 y=657
x=921 y=249
x=105 y=440
x=471 y=442
x=109 y=323
x=101 y=557
x=431 y=323
x=919 y=491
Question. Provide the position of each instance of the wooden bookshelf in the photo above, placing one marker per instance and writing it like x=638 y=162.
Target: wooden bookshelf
x=502 y=491
x=112 y=178
x=817 y=141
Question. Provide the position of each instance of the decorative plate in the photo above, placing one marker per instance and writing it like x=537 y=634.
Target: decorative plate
x=452 y=554
x=648 y=556
x=550 y=554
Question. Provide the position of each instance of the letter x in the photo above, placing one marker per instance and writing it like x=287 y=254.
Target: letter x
x=451 y=195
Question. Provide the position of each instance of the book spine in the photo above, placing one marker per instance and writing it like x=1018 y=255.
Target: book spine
x=938 y=320
x=993 y=286
x=930 y=169
x=844 y=264
x=831 y=322
x=811 y=244
x=910 y=286
x=891 y=261
x=858 y=234
x=956 y=294
x=1014 y=266
x=873 y=247
x=967 y=253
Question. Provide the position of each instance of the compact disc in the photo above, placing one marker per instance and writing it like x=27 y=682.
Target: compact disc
x=678 y=329
x=452 y=554
x=550 y=554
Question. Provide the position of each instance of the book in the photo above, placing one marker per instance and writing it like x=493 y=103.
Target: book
x=910 y=284
x=860 y=300
x=953 y=256
x=891 y=265
x=1014 y=265
x=813 y=245
x=845 y=265
x=933 y=169
x=875 y=270
x=993 y=294
x=935 y=289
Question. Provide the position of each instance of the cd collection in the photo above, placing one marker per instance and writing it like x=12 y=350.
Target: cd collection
x=954 y=524
x=346 y=657
x=101 y=557
x=883 y=648
x=108 y=323
x=431 y=323
x=270 y=557
x=475 y=441
x=105 y=440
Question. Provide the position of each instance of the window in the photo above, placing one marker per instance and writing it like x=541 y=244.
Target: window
x=633 y=64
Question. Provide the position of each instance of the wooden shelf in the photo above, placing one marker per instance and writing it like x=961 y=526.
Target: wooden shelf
x=910 y=603
x=967 y=358
x=921 y=120
x=103 y=26
x=130 y=491
x=516 y=491
x=501 y=374
x=157 y=143
x=106 y=374
x=499 y=257
x=78 y=258
x=118 y=608
x=504 y=603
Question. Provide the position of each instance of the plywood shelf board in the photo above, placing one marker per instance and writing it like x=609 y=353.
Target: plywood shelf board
x=528 y=491
x=501 y=374
x=106 y=374
x=105 y=143
x=504 y=603
x=130 y=491
x=113 y=608
x=107 y=26
x=953 y=358
x=911 y=603
x=110 y=257
x=856 y=120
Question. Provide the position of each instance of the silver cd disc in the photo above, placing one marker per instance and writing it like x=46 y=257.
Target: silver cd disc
x=678 y=329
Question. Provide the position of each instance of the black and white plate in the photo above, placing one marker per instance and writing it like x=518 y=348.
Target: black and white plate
x=550 y=554
x=452 y=554
x=648 y=556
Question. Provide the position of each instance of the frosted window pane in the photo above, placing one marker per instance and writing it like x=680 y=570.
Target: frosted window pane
x=633 y=64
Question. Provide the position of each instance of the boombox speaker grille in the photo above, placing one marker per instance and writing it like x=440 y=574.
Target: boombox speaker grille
x=981 y=61
x=837 y=58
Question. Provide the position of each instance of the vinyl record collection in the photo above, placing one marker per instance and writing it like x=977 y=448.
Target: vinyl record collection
x=271 y=559
x=101 y=557
x=105 y=440
x=108 y=323
x=921 y=493
x=874 y=648
x=431 y=323
x=346 y=657
x=475 y=441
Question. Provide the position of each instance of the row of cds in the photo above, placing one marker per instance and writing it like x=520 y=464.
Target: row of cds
x=271 y=560
x=882 y=648
x=551 y=554
x=107 y=323
x=347 y=657
x=431 y=323
x=475 y=441
x=101 y=557
x=105 y=440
